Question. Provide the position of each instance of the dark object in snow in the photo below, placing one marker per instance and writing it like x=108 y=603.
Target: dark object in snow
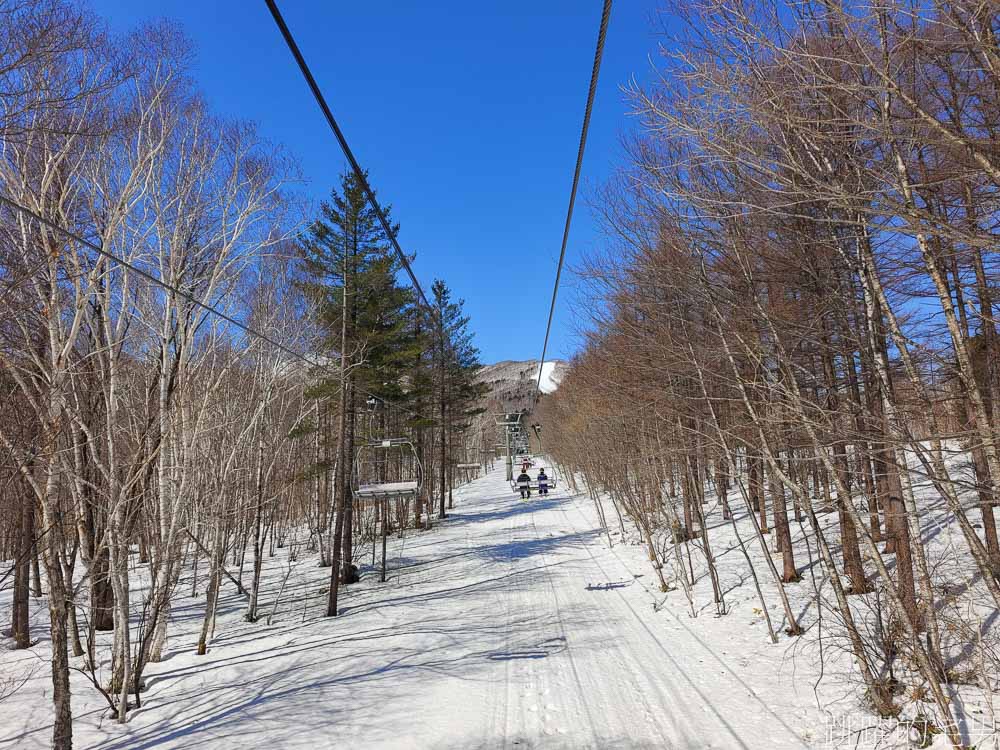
x=351 y=575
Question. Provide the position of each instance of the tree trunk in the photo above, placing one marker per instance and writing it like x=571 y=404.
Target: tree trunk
x=212 y=597
x=251 y=615
x=444 y=456
x=853 y=566
x=102 y=597
x=22 y=573
x=756 y=480
x=783 y=531
x=36 y=574
x=62 y=726
x=904 y=561
x=348 y=524
x=342 y=455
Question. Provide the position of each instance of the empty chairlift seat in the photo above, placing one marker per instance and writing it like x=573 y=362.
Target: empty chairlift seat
x=388 y=470
x=388 y=489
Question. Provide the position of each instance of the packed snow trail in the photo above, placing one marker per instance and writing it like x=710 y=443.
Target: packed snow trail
x=511 y=625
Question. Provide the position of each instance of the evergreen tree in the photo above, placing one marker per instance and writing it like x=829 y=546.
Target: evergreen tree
x=350 y=272
x=457 y=363
x=347 y=242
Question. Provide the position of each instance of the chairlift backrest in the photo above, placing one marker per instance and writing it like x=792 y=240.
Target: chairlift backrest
x=372 y=470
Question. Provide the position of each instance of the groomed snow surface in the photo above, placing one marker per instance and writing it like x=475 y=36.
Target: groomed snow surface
x=510 y=625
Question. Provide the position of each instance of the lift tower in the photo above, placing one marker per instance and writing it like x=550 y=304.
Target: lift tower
x=512 y=436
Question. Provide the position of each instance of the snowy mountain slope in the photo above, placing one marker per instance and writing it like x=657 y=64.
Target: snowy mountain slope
x=511 y=387
x=511 y=625
x=512 y=384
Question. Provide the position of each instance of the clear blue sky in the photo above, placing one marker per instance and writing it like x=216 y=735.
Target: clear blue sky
x=466 y=114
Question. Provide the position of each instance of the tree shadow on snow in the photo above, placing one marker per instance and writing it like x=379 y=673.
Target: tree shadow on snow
x=519 y=549
x=325 y=698
x=514 y=507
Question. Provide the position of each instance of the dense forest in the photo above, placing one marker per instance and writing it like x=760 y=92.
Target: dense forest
x=792 y=330
x=188 y=358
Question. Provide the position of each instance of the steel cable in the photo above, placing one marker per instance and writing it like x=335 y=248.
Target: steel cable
x=591 y=94
x=184 y=295
x=331 y=120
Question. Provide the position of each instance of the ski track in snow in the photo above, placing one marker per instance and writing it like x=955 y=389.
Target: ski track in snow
x=510 y=625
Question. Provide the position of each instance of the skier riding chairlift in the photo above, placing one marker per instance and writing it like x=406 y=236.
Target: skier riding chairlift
x=523 y=482
x=543 y=482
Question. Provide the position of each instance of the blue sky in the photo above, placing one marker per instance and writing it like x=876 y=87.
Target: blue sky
x=466 y=114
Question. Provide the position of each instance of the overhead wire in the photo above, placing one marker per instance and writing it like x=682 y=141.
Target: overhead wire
x=369 y=194
x=249 y=330
x=359 y=174
x=338 y=133
x=591 y=94
x=445 y=341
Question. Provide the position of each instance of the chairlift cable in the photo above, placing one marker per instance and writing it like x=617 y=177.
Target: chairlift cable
x=331 y=120
x=591 y=94
x=435 y=314
x=181 y=293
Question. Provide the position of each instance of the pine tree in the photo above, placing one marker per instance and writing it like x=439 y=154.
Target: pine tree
x=350 y=271
x=346 y=247
x=457 y=362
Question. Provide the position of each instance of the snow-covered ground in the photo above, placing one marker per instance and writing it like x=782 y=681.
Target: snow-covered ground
x=512 y=624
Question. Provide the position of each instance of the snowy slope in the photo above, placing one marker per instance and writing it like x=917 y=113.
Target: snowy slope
x=510 y=625
x=511 y=387
x=512 y=384
x=550 y=377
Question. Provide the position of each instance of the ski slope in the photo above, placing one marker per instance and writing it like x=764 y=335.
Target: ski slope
x=511 y=625
x=549 y=382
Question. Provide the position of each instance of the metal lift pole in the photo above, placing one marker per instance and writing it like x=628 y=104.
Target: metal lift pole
x=510 y=457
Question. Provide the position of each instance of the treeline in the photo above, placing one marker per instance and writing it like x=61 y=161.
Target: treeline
x=794 y=323
x=183 y=388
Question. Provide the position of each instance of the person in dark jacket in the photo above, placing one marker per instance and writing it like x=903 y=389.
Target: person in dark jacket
x=524 y=484
x=543 y=482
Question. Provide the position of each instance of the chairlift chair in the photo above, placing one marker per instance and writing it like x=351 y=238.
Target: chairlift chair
x=387 y=470
x=533 y=484
x=373 y=472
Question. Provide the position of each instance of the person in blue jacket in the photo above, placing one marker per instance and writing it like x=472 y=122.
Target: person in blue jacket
x=543 y=482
